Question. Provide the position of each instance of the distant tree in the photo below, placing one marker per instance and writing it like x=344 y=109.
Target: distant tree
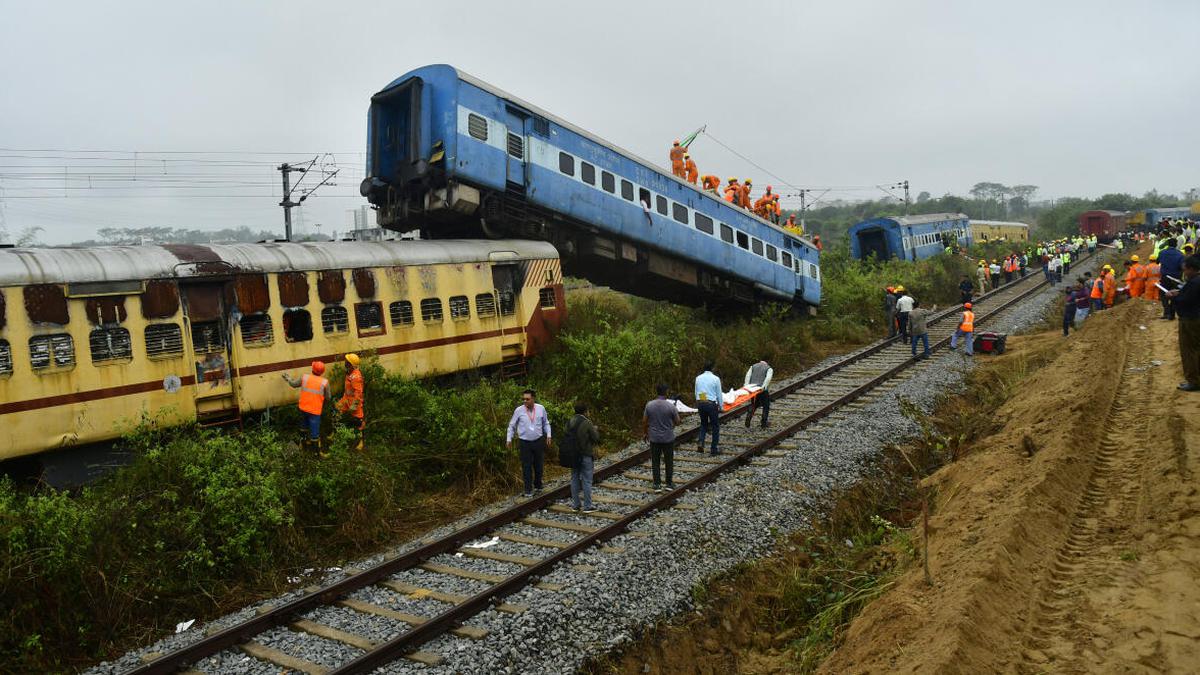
x=922 y=197
x=29 y=237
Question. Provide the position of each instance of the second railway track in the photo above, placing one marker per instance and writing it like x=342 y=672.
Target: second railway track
x=540 y=534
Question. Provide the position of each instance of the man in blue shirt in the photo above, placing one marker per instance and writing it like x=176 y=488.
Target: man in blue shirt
x=532 y=428
x=1170 y=261
x=708 y=402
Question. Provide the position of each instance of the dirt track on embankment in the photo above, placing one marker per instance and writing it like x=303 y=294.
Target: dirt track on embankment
x=1084 y=557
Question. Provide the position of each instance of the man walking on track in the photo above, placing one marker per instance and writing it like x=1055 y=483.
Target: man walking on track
x=966 y=329
x=903 y=306
x=314 y=392
x=760 y=374
x=531 y=426
x=658 y=428
x=708 y=402
x=351 y=403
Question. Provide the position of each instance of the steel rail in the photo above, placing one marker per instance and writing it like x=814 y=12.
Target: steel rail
x=282 y=614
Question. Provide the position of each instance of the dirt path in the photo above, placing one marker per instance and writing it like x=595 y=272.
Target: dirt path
x=1085 y=556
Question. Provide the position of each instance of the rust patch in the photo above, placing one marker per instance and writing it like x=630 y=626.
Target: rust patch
x=46 y=303
x=199 y=260
x=364 y=283
x=160 y=300
x=203 y=302
x=293 y=289
x=252 y=294
x=106 y=309
x=331 y=286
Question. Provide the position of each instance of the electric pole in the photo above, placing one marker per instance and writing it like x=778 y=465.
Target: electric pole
x=287 y=203
x=906 y=200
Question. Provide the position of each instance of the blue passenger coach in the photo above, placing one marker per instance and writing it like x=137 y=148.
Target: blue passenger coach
x=909 y=237
x=454 y=156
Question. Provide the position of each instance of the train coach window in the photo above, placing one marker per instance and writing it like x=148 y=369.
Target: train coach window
x=477 y=126
x=508 y=302
x=431 y=310
x=608 y=182
x=110 y=344
x=726 y=233
x=772 y=253
x=546 y=298
x=679 y=212
x=704 y=223
x=743 y=240
x=626 y=189
x=756 y=246
x=369 y=317
x=485 y=305
x=587 y=172
x=5 y=358
x=566 y=164
x=257 y=330
x=785 y=259
x=163 y=340
x=401 y=313
x=297 y=325
x=47 y=351
x=644 y=197
x=460 y=308
x=660 y=203
x=334 y=319
x=208 y=336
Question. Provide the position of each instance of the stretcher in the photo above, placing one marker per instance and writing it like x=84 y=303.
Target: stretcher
x=735 y=397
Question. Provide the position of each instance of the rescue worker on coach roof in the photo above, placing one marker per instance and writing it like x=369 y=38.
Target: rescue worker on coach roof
x=351 y=403
x=746 y=194
x=314 y=392
x=690 y=170
x=710 y=183
x=676 y=155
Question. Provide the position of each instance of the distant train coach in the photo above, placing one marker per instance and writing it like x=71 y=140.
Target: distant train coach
x=998 y=230
x=1104 y=225
x=909 y=237
x=93 y=339
x=454 y=156
x=1150 y=218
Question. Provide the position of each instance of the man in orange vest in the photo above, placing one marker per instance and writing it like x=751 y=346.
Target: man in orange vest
x=351 y=403
x=676 y=159
x=1110 y=287
x=314 y=392
x=689 y=168
x=1136 y=280
x=966 y=329
x=1097 y=294
x=1153 y=274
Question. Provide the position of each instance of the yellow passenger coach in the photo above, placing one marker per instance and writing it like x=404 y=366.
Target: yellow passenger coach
x=998 y=230
x=94 y=339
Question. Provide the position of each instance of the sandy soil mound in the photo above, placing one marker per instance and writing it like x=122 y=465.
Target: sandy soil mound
x=1070 y=540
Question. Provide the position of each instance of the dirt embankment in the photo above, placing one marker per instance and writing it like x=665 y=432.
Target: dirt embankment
x=1083 y=556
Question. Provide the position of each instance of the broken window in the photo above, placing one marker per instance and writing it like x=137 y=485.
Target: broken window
x=257 y=330
x=334 y=319
x=369 y=317
x=297 y=325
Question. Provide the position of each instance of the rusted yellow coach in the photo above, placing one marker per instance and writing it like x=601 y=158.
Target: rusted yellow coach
x=93 y=339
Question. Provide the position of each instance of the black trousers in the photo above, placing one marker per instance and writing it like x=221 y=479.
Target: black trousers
x=1068 y=319
x=665 y=452
x=533 y=453
x=1168 y=304
x=1189 y=349
x=763 y=400
x=903 y=317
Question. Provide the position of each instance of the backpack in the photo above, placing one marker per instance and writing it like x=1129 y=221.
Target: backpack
x=568 y=446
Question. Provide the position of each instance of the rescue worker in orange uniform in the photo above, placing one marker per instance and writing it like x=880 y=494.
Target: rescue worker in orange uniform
x=746 y=194
x=710 y=182
x=689 y=168
x=1097 y=294
x=763 y=203
x=733 y=192
x=817 y=241
x=677 y=159
x=778 y=210
x=1110 y=287
x=1153 y=275
x=314 y=392
x=792 y=226
x=351 y=403
x=1136 y=279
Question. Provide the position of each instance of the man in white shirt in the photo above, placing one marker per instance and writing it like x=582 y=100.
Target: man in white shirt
x=903 y=306
x=531 y=426
x=760 y=374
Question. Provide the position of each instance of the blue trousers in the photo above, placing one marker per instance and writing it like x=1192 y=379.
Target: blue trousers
x=710 y=420
x=581 y=481
x=312 y=424
x=924 y=337
x=969 y=341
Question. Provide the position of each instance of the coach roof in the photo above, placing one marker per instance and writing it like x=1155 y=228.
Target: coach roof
x=21 y=266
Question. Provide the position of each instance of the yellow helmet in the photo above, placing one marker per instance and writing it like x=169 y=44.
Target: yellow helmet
x=352 y=359
x=1135 y=258
x=733 y=179
x=900 y=289
x=1153 y=257
x=749 y=182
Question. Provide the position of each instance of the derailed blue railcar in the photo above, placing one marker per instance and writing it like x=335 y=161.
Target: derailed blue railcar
x=454 y=156
x=909 y=237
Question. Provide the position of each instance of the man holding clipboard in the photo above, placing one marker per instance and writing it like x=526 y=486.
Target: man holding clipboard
x=1185 y=303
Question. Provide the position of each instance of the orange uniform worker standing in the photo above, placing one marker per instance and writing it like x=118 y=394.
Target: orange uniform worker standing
x=351 y=403
x=1153 y=275
x=746 y=194
x=733 y=192
x=314 y=392
x=689 y=168
x=1097 y=294
x=965 y=329
x=677 y=159
x=1110 y=287
x=1136 y=279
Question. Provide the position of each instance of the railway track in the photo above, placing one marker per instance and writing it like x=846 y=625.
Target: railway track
x=540 y=533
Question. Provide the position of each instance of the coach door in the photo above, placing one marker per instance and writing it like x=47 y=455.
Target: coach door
x=209 y=332
x=506 y=281
x=516 y=120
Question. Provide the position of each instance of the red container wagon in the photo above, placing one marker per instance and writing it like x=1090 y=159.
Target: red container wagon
x=1104 y=224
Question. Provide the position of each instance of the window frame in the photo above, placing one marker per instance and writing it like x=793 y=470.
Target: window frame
x=393 y=307
x=587 y=172
x=660 y=205
x=547 y=292
x=699 y=219
x=772 y=253
x=112 y=360
x=626 y=190
x=465 y=302
x=288 y=316
x=257 y=344
x=608 y=182
x=372 y=331
x=727 y=230
x=345 y=320
x=163 y=355
x=492 y=309
x=756 y=246
x=566 y=164
x=6 y=360
x=743 y=240
x=785 y=259
x=676 y=210
x=52 y=364
x=426 y=316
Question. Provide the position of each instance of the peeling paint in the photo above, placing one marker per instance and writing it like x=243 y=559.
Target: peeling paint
x=160 y=300
x=46 y=303
x=364 y=283
x=331 y=286
x=104 y=310
x=293 y=289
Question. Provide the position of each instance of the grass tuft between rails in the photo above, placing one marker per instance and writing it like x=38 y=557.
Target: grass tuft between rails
x=204 y=522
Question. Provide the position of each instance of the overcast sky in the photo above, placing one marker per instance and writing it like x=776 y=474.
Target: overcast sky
x=1077 y=97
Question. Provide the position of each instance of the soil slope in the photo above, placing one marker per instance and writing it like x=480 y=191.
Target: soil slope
x=1084 y=556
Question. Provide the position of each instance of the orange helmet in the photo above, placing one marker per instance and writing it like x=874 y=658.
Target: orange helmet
x=889 y=289
x=318 y=367
x=966 y=305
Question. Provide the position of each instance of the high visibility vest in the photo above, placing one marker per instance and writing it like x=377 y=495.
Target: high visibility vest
x=968 y=322
x=1098 y=288
x=312 y=394
x=1153 y=273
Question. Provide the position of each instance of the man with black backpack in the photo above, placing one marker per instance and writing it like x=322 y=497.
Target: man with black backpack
x=576 y=450
x=658 y=428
